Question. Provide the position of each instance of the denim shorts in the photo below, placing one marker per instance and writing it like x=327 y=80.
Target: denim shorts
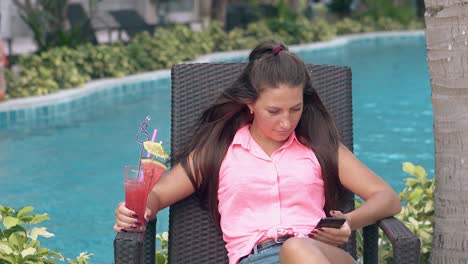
x=268 y=256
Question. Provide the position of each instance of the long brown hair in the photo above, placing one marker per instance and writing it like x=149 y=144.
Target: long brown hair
x=214 y=131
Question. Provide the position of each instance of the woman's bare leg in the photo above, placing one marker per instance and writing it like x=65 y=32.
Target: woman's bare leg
x=307 y=250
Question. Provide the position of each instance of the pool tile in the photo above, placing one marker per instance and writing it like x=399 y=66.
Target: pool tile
x=125 y=89
x=73 y=105
x=119 y=90
x=20 y=116
x=61 y=108
x=11 y=117
x=30 y=114
x=3 y=119
x=51 y=111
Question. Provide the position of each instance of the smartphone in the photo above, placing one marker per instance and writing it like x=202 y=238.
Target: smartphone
x=333 y=222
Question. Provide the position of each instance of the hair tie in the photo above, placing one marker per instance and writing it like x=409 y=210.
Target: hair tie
x=277 y=49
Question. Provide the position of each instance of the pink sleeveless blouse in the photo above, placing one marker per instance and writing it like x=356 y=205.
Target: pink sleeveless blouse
x=262 y=197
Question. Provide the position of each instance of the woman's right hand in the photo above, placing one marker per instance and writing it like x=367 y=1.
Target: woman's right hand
x=125 y=218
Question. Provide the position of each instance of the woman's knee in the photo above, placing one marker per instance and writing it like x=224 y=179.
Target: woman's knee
x=298 y=250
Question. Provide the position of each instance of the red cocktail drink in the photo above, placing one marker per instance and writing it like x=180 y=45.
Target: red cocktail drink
x=136 y=192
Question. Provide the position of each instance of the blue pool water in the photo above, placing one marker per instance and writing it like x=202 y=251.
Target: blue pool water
x=70 y=167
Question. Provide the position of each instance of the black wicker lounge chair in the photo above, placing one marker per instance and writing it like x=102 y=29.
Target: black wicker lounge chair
x=193 y=237
x=131 y=22
x=81 y=23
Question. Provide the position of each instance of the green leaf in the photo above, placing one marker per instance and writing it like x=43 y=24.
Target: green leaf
x=420 y=173
x=415 y=196
x=17 y=241
x=408 y=167
x=42 y=252
x=411 y=182
x=430 y=192
x=15 y=229
x=26 y=218
x=24 y=211
x=4 y=210
x=28 y=251
x=39 y=231
x=5 y=248
x=425 y=236
x=40 y=218
x=160 y=258
x=413 y=221
x=8 y=259
x=10 y=221
x=56 y=255
x=429 y=207
x=34 y=244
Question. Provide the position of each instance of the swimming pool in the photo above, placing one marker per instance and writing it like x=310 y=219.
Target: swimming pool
x=66 y=159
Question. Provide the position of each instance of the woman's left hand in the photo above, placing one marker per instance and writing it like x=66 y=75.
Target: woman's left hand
x=333 y=236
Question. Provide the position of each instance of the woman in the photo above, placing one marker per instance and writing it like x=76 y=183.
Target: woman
x=267 y=159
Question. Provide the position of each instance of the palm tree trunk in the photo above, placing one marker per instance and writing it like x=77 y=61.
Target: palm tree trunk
x=447 y=57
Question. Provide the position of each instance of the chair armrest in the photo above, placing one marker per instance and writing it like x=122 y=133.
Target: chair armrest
x=128 y=247
x=406 y=245
x=136 y=248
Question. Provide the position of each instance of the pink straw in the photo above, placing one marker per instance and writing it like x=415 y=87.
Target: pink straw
x=153 y=138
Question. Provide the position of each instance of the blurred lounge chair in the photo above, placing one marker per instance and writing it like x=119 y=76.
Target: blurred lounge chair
x=80 y=23
x=131 y=22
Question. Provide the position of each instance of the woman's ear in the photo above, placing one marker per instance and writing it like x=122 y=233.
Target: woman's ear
x=251 y=109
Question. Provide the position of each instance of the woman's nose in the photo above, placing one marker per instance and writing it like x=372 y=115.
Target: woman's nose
x=285 y=122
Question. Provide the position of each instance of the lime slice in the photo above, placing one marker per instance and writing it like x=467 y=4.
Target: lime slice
x=156 y=149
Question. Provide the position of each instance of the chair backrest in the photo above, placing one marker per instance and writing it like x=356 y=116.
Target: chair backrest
x=193 y=238
x=81 y=23
x=131 y=21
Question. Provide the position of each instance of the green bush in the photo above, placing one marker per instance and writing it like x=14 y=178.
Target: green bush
x=323 y=31
x=217 y=35
x=348 y=26
x=294 y=31
x=417 y=213
x=62 y=61
x=161 y=254
x=260 y=31
x=305 y=31
x=62 y=67
x=19 y=242
x=418 y=210
x=32 y=81
x=388 y=24
x=404 y=13
x=235 y=40
x=105 y=61
x=368 y=24
x=170 y=46
x=415 y=25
